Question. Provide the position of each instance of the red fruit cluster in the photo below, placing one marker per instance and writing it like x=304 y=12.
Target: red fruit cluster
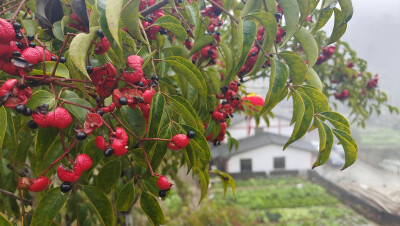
x=34 y=184
x=279 y=35
x=102 y=46
x=350 y=64
x=12 y=95
x=373 y=83
x=151 y=31
x=79 y=24
x=118 y=140
x=82 y=163
x=135 y=63
x=179 y=141
x=343 y=95
x=104 y=78
x=327 y=53
x=221 y=135
x=92 y=122
x=250 y=61
x=59 y=118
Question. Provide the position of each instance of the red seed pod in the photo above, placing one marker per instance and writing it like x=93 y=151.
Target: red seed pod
x=102 y=46
x=7 y=32
x=234 y=86
x=219 y=116
x=100 y=143
x=8 y=87
x=148 y=95
x=119 y=141
x=92 y=122
x=180 y=141
x=39 y=184
x=67 y=175
x=134 y=61
x=60 y=118
x=23 y=182
x=12 y=47
x=19 y=97
x=145 y=108
x=35 y=55
x=163 y=183
x=82 y=163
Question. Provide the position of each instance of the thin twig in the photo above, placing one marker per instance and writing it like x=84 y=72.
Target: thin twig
x=224 y=10
x=17 y=11
x=29 y=202
x=154 y=8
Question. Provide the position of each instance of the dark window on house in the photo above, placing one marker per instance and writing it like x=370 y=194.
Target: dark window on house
x=279 y=163
x=245 y=165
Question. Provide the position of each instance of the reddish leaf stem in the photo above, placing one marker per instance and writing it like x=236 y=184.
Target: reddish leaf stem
x=17 y=11
x=59 y=158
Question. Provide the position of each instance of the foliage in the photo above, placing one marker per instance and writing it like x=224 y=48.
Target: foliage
x=73 y=66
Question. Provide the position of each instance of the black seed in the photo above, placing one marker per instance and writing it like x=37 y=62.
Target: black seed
x=65 y=187
x=20 y=108
x=16 y=54
x=31 y=37
x=22 y=86
x=237 y=98
x=137 y=145
x=32 y=45
x=18 y=36
x=239 y=84
x=123 y=101
x=62 y=60
x=162 y=193
x=89 y=69
x=32 y=124
x=140 y=84
x=17 y=26
x=232 y=98
x=53 y=58
x=253 y=53
x=264 y=66
x=271 y=55
x=210 y=44
x=231 y=116
x=100 y=33
x=100 y=112
x=219 y=23
x=224 y=89
x=278 y=15
x=163 y=31
x=209 y=51
x=98 y=99
x=218 y=33
x=108 y=152
x=81 y=136
x=149 y=19
x=27 y=112
x=211 y=112
x=19 y=44
x=227 y=116
x=155 y=78
x=191 y=134
x=188 y=30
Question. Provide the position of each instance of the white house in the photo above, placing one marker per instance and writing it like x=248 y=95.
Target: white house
x=263 y=153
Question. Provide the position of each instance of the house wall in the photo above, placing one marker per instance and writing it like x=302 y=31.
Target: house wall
x=263 y=159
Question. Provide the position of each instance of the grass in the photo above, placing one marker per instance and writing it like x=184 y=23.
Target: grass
x=379 y=136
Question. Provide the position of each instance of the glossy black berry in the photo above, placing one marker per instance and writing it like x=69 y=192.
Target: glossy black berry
x=32 y=45
x=65 y=187
x=18 y=36
x=17 y=26
x=140 y=84
x=100 y=112
x=123 y=101
x=163 y=32
x=218 y=33
x=191 y=134
x=22 y=86
x=89 y=69
x=19 y=45
x=53 y=58
x=137 y=146
x=239 y=84
x=224 y=102
x=98 y=99
x=253 y=53
x=211 y=112
x=162 y=193
x=32 y=124
x=227 y=116
x=224 y=89
x=188 y=30
x=81 y=136
x=31 y=37
x=278 y=16
x=100 y=33
x=62 y=60
x=108 y=152
x=155 y=78
x=20 y=108
x=210 y=44
x=271 y=55
x=16 y=54
x=27 y=112
x=150 y=20
x=209 y=51
x=220 y=23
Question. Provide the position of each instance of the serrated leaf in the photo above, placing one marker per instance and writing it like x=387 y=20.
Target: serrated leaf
x=200 y=43
x=337 y=120
x=308 y=44
x=126 y=197
x=172 y=24
x=193 y=11
x=108 y=175
x=151 y=208
x=130 y=17
x=113 y=14
x=291 y=12
x=78 y=51
x=78 y=112
x=320 y=102
x=226 y=180
x=161 y=147
x=313 y=79
x=277 y=83
x=181 y=106
x=49 y=206
x=61 y=71
x=135 y=120
x=338 y=30
x=101 y=204
x=41 y=97
x=349 y=146
x=347 y=8
x=44 y=140
x=326 y=142
x=156 y=114
x=204 y=181
x=297 y=66
x=3 y=124
x=251 y=5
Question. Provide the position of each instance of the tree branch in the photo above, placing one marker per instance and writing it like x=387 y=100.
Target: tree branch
x=29 y=202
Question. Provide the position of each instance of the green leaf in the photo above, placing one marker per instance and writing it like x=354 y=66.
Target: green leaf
x=200 y=140
x=78 y=112
x=192 y=74
x=226 y=180
x=309 y=45
x=278 y=79
x=326 y=142
x=151 y=208
x=347 y=8
x=161 y=147
x=95 y=154
x=126 y=197
x=291 y=12
x=113 y=14
x=328 y=4
x=156 y=114
x=58 y=31
x=338 y=30
x=3 y=124
x=204 y=182
x=78 y=52
x=53 y=152
x=298 y=113
x=130 y=17
x=101 y=204
x=297 y=66
x=182 y=107
x=313 y=79
x=349 y=146
x=320 y=102
x=61 y=71
x=49 y=206
x=41 y=97
x=337 y=120
x=251 y=5
x=108 y=175
x=44 y=139
x=228 y=57
x=200 y=43
x=4 y=221
x=193 y=11
x=272 y=6
x=172 y=24
x=135 y=120
x=23 y=147
x=323 y=18
x=304 y=7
